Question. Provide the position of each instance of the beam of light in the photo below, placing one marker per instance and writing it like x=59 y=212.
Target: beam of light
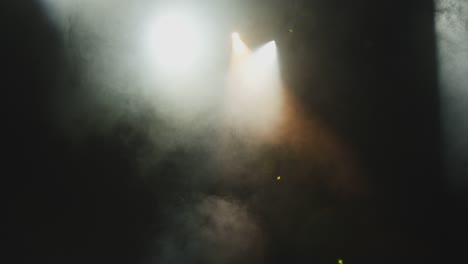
x=254 y=96
x=261 y=75
x=238 y=46
x=239 y=55
x=259 y=111
x=267 y=54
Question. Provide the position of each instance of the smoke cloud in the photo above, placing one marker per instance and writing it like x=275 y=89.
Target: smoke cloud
x=207 y=177
x=211 y=230
x=452 y=41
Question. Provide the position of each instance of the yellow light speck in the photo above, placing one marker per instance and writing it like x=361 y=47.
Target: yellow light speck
x=278 y=178
x=340 y=261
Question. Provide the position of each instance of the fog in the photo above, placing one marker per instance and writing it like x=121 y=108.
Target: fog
x=208 y=150
x=452 y=42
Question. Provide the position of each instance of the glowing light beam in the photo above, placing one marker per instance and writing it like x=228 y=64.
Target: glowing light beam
x=266 y=54
x=254 y=99
x=238 y=46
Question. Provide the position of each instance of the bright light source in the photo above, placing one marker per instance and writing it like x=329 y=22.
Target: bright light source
x=238 y=46
x=263 y=68
x=254 y=94
x=266 y=54
x=178 y=43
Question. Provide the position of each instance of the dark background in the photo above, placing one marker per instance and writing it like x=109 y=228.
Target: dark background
x=76 y=204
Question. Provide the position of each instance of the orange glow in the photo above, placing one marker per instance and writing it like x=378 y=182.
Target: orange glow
x=261 y=111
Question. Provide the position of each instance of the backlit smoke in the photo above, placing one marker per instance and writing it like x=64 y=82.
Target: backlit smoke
x=209 y=134
x=452 y=41
x=254 y=97
x=211 y=230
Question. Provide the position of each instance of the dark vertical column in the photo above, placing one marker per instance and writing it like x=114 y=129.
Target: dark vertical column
x=372 y=76
x=403 y=133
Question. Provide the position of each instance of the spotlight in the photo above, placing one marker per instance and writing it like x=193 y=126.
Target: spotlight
x=267 y=54
x=262 y=67
x=238 y=46
x=254 y=96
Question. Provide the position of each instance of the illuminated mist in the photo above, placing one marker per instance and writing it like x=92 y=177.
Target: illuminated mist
x=215 y=128
x=254 y=97
x=452 y=41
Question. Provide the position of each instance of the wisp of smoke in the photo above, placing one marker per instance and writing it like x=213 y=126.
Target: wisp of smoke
x=211 y=230
x=452 y=41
